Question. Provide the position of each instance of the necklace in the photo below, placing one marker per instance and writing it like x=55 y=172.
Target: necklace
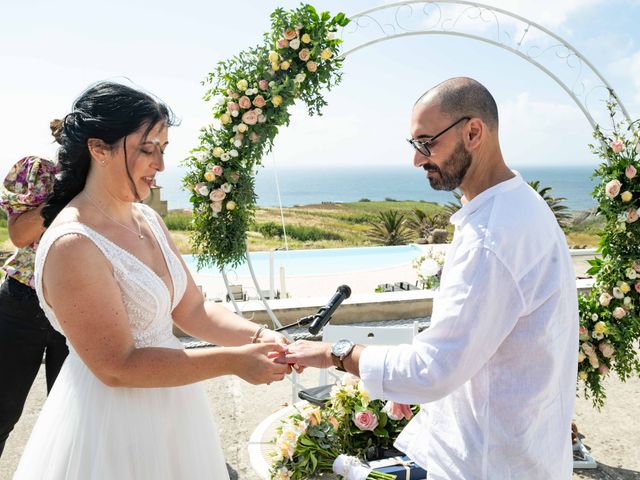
x=138 y=233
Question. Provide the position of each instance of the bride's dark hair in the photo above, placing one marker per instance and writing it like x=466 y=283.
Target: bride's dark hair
x=107 y=111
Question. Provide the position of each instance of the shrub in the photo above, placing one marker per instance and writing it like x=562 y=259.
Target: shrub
x=178 y=221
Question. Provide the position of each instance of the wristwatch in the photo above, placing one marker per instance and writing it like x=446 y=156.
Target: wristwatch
x=339 y=351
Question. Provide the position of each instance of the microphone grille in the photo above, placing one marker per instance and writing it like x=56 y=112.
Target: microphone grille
x=345 y=290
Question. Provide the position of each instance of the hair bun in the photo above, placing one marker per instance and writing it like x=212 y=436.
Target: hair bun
x=56 y=129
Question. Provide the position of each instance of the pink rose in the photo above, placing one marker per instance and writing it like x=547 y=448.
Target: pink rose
x=234 y=176
x=612 y=189
x=217 y=170
x=637 y=287
x=619 y=313
x=201 y=189
x=259 y=101
x=632 y=215
x=617 y=145
x=250 y=117
x=397 y=411
x=283 y=43
x=253 y=136
x=606 y=349
x=605 y=299
x=587 y=348
x=593 y=361
x=217 y=195
x=636 y=266
x=238 y=136
x=630 y=171
x=232 y=94
x=366 y=420
x=233 y=106
x=603 y=370
x=244 y=102
x=216 y=207
x=263 y=84
x=290 y=34
x=584 y=333
x=304 y=54
x=312 y=66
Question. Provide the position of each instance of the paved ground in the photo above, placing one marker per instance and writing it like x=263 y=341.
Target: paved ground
x=613 y=434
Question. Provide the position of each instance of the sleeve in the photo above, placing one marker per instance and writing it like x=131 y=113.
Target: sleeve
x=477 y=307
x=27 y=185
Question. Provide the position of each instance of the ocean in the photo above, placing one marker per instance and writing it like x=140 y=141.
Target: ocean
x=304 y=186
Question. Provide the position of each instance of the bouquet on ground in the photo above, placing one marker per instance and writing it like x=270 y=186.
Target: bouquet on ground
x=336 y=438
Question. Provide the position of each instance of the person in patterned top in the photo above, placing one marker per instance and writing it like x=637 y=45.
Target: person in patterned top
x=26 y=336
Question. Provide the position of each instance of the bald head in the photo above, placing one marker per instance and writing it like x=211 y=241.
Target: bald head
x=460 y=97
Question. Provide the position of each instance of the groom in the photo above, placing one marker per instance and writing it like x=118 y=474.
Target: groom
x=496 y=370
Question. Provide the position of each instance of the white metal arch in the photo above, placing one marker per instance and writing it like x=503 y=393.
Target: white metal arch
x=536 y=44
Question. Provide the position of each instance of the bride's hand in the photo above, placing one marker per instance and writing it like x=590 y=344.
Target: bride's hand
x=255 y=365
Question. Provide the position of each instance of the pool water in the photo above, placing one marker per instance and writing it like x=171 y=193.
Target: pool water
x=321 y=262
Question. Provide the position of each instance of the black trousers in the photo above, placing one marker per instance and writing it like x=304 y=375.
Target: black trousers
x=26 y=336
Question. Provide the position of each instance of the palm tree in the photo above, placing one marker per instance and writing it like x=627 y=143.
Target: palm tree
x=390 y=228
x=556 y=204
x=424 y=224
x=455 y=205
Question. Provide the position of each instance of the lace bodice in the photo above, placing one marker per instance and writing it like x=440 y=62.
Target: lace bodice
x=145 y=296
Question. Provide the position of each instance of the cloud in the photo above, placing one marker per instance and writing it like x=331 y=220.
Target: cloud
x=628 y=68
x=535 y=132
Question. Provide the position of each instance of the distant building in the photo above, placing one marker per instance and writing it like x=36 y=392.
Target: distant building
x=155 y=202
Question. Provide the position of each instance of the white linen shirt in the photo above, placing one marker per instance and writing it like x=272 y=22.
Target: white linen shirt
x=496 y=370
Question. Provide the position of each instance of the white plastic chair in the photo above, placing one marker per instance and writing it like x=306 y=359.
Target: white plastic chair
x=363 y=335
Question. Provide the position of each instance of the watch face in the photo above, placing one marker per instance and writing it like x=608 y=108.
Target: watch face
x=341 y=347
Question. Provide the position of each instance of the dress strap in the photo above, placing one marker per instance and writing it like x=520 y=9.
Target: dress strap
x=49 y=238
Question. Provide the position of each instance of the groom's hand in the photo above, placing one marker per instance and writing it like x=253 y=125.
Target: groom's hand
x=309 y=354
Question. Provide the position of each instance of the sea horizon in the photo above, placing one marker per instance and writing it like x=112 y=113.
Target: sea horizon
x=300 y=186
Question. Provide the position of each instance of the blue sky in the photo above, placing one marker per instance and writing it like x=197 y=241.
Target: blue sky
x=51 y=51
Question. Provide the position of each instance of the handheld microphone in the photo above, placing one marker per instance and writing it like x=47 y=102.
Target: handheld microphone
x=324 y=314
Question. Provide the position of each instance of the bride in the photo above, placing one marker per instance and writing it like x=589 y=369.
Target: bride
x=128 y=403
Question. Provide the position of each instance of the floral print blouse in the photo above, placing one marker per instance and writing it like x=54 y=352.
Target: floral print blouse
x=25 y=187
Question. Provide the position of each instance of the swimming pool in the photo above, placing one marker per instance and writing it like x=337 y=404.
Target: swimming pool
x=321 y=262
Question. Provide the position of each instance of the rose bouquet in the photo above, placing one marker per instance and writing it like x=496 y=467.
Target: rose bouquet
x=307 y=444
x=351 y=427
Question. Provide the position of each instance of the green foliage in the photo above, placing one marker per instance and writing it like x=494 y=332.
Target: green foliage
x=298 y=232
x=250 y=95
x=390 y=228
x=178 y=221
x=610 y=314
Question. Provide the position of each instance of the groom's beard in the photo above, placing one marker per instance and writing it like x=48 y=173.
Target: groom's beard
x=450 y=176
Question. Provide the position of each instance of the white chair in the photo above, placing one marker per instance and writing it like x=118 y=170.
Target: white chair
x=363 y=335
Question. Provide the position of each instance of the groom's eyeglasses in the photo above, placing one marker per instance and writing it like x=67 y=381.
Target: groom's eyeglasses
x=423 y=146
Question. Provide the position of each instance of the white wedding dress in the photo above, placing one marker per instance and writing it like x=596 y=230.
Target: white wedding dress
x=87 y=430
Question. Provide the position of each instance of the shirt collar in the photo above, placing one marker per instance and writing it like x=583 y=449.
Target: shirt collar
x=467 y=209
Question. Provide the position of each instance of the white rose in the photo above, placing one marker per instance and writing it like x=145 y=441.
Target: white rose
x=262 y=118
x=605 y=299
x=618 y=293
x=272 y=84
x=594 y=317
x=226 y=187
x=219 y=100
x=632 y=274
x=295 y=43
x=233 y=153
x=225 y=157
x=627 y=301
x=237 y=143
x=235 y=113
x=203 y=190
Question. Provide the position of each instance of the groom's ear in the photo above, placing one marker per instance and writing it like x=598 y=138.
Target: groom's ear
x=475 y=132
